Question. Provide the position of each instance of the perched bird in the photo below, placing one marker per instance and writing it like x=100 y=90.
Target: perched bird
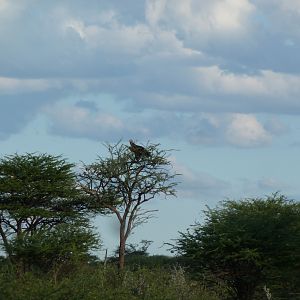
x=138 y=150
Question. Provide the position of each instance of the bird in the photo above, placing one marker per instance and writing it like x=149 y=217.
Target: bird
x=138 y=150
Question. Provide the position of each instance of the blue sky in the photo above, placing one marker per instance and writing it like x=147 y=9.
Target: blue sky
x=218 y=80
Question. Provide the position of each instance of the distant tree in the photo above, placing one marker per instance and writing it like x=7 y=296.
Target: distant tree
x=138 y=249
x=137 y=256
x=134 y=250
x=37 y=193
x=248 y=243
x=124 y=182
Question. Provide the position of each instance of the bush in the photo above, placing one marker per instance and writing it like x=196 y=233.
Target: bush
x=89 y=282
x=247 y=245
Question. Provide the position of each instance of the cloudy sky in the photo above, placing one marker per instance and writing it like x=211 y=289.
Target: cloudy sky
x=217 y=80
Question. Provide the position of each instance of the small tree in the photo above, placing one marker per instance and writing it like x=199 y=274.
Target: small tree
x=37 y=192
x=125 y=181
x=250 y=243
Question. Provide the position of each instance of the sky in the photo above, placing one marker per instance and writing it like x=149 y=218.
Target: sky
x=217 y=80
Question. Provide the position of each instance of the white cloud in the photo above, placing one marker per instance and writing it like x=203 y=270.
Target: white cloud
x=139 y=61
x=212 y=89
x=206 y=18
x=77 y=26
x=246 y=131
x=110 y=36
x=238 y=130
x=154 y=10
x=82 y=121
x=167 y=61
x=10 y=8
x=139 y=40
x=85 y=120
x=230 y=15
x=3 y=4
x=16 y=85
x=216 y=80
x=265 y=83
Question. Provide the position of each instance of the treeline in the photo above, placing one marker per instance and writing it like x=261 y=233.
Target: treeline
x=247 y=249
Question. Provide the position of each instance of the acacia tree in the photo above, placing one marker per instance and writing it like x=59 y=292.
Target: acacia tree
x=124 y=181
x=248 y=244
x=37 y=192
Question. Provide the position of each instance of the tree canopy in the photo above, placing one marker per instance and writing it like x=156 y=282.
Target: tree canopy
x=123 y=182
x=38 y=192
x=247 y=244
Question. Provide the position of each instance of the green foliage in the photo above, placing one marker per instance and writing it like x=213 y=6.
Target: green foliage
x=36 y=192
x=244 y=250
x=87 y=283
x=247 y=244
x=137 y=256
x=134 y=262
x=140 y=249
x=41 y=222
x=59 y=246
x=35 y=181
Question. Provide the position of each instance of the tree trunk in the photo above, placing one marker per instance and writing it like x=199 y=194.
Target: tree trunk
x=122 y=247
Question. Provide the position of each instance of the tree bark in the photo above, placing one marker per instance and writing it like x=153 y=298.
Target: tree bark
x=122 y=247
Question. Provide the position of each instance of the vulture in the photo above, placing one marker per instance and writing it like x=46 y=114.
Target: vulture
x=138 y=150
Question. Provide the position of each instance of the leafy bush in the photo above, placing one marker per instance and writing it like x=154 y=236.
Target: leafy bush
x=248 y=244
x=56 y=247
x=87 y=282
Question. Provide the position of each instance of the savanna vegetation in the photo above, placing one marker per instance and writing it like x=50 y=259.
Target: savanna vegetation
x=245 y=249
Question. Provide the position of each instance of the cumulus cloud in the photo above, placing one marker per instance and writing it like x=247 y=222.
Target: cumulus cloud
x=92 y=120
x=239 y=130
x=79 y=121
x=212 y=89
x=85 y=120
x=20 y=86
x=267 y=87
x=159 y=57
x=246 y=131
x=202 y=17
x=3 y=5
x=10 y=9
x=111 y=37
